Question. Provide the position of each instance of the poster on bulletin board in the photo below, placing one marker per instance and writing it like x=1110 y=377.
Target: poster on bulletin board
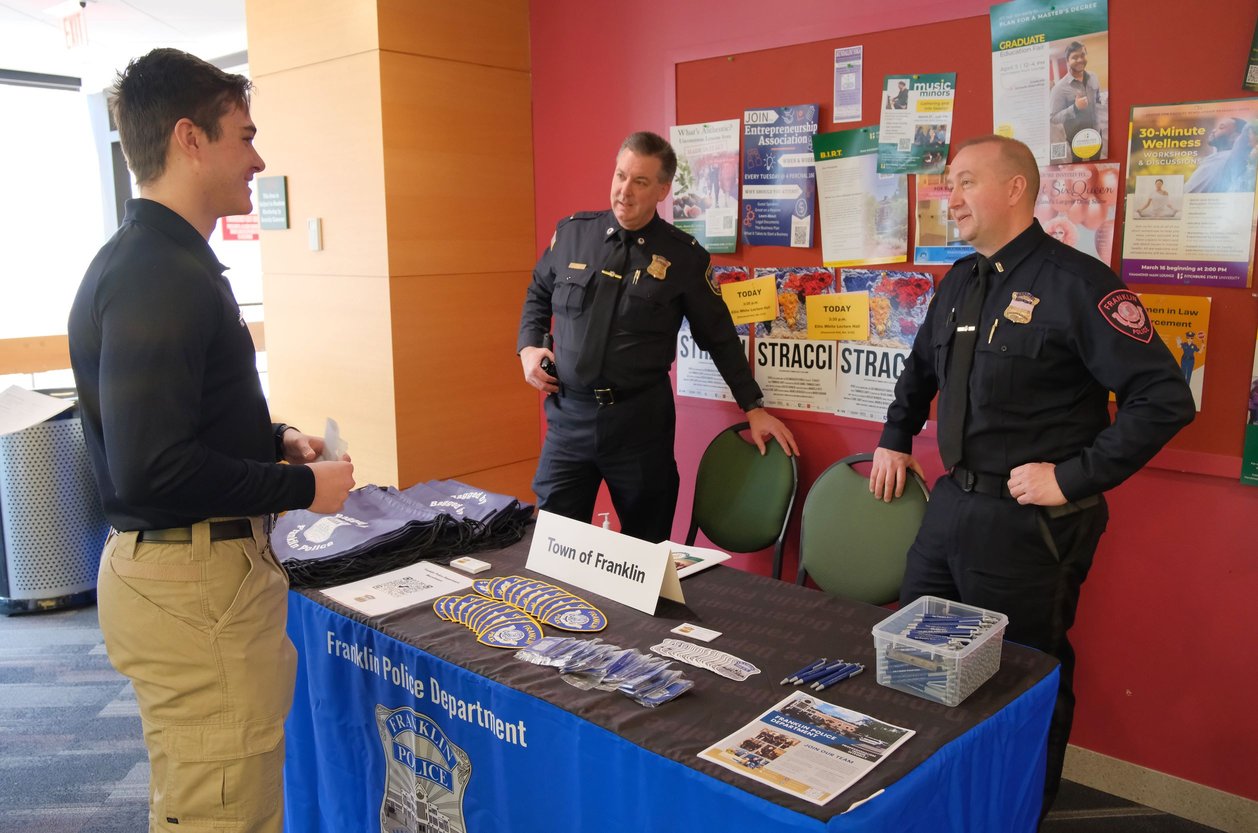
x=779 y=185
x=1249 y=458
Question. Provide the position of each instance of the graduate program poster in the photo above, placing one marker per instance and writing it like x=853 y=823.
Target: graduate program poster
x=864 y=214
x=916 y=123
x=779 y=188
x=1189 y=215
x=1050 y=77
x=705 y=187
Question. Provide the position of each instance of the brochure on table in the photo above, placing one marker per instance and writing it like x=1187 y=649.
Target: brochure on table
x=396 y=589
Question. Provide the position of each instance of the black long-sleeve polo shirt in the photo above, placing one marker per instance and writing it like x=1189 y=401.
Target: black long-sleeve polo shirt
x=174 y=418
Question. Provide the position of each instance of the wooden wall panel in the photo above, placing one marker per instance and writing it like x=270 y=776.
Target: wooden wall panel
x=459 y=173
x=489 y=32
x=331 y=356
x=462 y=401
x=284 y=34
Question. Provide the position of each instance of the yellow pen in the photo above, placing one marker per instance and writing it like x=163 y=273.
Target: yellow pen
x=992 y=334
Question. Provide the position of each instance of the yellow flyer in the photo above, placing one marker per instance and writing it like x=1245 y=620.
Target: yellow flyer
x=1182 y=321
x=751 y=301
x=842 y=316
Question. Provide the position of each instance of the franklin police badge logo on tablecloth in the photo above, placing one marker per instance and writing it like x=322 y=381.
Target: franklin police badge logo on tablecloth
x=659 y=267
x=1123 y=310
x=426 y=775
x=1021 y=307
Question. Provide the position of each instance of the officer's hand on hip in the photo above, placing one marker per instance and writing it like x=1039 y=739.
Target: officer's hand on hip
x=889 y=473
x=764 y=425
x=531 y=361
x=333 y=480
x=1036 y=484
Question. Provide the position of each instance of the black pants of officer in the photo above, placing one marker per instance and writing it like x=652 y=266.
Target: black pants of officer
x=628 y=444
x=1021 y=561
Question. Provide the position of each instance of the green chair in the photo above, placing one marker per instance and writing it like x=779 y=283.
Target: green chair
x=742 y=499
x=853 y=545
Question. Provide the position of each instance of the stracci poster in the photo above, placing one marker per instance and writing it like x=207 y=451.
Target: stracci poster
x=938 y=242
x=1076 y=205
x=705 y=188
x=1190 y=194
x=1182 y=322
x=1050 y=77
x=864 y=214
x=1249 y=457
x=916 y=123
x=793 y=370
x=779 y=189
x=807 y=747
x=868 y=371
x=847 y=83
x=697 y=376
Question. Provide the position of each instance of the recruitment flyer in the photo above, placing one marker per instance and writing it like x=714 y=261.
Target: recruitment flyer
x=808 y=748
x=1183 y=324
x=868 y=371
x=916 y=123
x=705 y=187
x=1076 y=204
x=936 y=241
x=1050 y=77
x=848 y=61
x=779 y=188
x=1189 y=215
x=864 y=214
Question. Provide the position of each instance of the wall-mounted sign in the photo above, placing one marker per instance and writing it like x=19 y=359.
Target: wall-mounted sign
x=273 y=201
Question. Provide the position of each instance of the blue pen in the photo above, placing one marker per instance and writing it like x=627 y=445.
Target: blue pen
x=803 y=670
x=818 y=673
x=846 y=673
x=846 y=668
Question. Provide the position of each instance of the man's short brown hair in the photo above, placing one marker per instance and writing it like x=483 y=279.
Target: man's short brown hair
x=157 y=90
x=645 y=143
x=1015 y=156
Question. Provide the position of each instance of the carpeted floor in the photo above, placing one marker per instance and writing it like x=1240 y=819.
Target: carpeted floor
x=71 y=758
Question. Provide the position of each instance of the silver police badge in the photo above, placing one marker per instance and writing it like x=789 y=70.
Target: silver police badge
x=425 y=775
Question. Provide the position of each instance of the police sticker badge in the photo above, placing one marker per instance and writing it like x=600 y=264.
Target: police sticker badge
x=425 y=775
x=658 y=268
x=1124 y=312
x=1021 y=307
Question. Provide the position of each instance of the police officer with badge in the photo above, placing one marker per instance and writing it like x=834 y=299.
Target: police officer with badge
x=1023 y=343
x=616 y=285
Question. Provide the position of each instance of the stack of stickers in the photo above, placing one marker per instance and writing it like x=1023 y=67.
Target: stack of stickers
x=701 y=656
x=510 y=611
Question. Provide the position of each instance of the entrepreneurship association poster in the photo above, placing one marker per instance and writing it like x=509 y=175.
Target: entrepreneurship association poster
x=864 y=214
x=779 y=185
x=1050 y=77
x=705 y=187
x=1189 y=215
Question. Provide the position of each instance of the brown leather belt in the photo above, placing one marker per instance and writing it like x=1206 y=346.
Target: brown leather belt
x=219 y=531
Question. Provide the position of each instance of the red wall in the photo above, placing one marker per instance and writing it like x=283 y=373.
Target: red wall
x=1167 y=667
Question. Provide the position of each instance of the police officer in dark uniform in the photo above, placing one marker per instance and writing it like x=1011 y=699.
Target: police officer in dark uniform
x=617 y=284
x=1023 y=342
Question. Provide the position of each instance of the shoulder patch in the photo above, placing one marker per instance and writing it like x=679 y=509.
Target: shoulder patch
x=711 y=281
x=1124 y=312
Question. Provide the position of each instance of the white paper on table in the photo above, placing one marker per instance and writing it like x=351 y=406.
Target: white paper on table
x=21 y=408
x=399 y=588
x=333 y=445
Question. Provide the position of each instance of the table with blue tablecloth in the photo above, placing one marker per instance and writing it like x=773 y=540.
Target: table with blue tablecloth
x=403 y=722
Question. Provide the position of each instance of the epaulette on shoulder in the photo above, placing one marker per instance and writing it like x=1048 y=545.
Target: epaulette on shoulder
x=581 y=215
x=681 y=235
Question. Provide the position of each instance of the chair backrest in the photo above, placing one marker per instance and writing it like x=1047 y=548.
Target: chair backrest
x=853 y=545
x=742 y=500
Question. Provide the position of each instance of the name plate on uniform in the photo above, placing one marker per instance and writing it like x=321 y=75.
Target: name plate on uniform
x=625 y=569
x=751 y=301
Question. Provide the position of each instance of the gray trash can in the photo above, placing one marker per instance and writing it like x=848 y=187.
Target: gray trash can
x=51 y=524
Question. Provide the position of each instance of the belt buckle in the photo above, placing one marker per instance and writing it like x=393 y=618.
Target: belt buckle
x=604 y=396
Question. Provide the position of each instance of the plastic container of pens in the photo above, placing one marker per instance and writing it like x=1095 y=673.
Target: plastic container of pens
x=939 y=649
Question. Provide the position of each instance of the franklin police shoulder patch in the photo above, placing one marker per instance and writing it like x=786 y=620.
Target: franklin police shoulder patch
x=1124 y=312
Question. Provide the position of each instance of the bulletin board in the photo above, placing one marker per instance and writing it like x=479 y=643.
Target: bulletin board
x=1149 y=64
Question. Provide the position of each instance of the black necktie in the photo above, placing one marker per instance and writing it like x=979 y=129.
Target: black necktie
x=952 y=406
x=589 y=365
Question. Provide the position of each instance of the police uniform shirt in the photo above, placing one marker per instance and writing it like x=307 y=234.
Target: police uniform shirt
x=175 y=422
x=1058 y=331
x=666 y=279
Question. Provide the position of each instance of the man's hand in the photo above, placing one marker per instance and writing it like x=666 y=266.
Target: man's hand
x=1036 y=484
x=764 y=425
x=531 y=361
x=333 y=480
x=1081 y=102
x=301 y=448
x=890 y=473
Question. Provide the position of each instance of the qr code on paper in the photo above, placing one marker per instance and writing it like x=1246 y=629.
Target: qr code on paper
x=1251 y=75
x=903 y=145
x=1058 y=151
x=401 y=587
x=799 y=235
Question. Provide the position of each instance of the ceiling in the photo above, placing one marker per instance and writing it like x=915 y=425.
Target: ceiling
x=31 y=38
